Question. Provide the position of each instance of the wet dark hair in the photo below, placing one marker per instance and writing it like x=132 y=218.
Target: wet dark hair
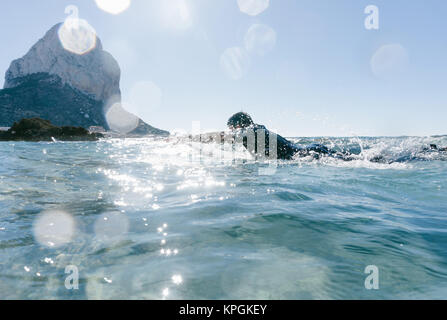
x=240 y=120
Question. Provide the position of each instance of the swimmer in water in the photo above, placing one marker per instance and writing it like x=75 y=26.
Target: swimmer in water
x=241 y=123
x=436 y=148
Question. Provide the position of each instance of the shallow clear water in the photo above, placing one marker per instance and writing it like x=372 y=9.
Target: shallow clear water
x=151 y=219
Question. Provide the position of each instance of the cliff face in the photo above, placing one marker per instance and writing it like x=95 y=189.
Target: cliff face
x=64 y=86
x=45 y=96
x=95 y=72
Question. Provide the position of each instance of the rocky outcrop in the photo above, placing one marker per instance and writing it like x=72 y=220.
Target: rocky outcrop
x=56 y=82
x=95 y=72
x=42 y=130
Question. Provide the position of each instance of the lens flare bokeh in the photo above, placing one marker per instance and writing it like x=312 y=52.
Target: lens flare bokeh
x=111 y=226
x=390 y=61
x=253 y=7
x=113 y=6
x=120 y=120
x=53 y=229
x=176 y=14
x=235 y=62
x=260 y=39
x=77 y=36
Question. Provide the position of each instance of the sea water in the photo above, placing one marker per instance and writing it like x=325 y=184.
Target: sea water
x=167 y=219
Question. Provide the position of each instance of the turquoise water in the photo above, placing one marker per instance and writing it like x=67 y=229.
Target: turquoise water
x=157 y=219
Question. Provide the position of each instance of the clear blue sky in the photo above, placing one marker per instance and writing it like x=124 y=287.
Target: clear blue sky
x=315 y=79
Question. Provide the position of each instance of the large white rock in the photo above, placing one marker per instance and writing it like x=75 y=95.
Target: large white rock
x=95 y=72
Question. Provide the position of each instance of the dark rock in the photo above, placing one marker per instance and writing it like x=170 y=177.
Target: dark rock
x=37 y=129
x=66 y=88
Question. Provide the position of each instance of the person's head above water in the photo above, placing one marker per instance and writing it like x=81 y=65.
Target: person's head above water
x=240 y=120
